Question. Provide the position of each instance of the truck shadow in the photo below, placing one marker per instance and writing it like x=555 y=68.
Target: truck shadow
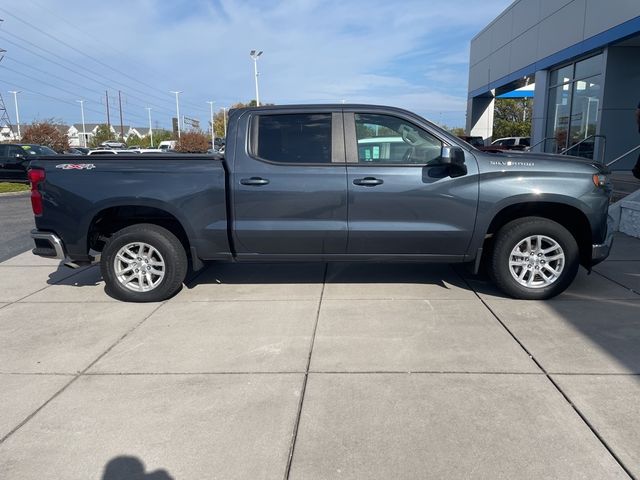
x=438 y=275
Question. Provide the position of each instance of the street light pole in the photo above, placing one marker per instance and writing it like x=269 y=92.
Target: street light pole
x=224 y=118
x=255 y=54
x=15 y=101
x=213 y=130
x=84 y=132
x=177 y=109
x=150 y=127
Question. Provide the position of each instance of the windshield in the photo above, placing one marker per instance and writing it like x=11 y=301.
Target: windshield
x=38 y=150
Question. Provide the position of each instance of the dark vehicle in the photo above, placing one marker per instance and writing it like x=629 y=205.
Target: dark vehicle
x=82 y=150
x=73 y=151
x=324 y=183
x=477 y=142
x=15 y=158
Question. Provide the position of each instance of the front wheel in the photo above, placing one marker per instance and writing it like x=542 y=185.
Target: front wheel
x=143 y=263
x=534 y=258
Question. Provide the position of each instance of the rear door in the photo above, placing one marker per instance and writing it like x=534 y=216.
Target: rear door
x=400 y=202
x=288 y=183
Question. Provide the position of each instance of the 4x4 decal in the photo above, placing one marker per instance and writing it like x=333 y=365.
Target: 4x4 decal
x=76 y=166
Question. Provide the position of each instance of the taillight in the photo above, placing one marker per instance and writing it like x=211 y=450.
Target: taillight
x=36 y=177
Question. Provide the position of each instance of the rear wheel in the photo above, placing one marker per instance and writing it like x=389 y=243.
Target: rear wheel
x=534 y=258
x=143 y=263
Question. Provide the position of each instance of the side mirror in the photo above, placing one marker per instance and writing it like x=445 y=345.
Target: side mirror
x=452 y=155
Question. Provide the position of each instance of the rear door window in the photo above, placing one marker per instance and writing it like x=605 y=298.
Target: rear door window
x=292 y=138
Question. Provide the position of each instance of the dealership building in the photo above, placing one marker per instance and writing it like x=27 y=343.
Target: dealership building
x=581 y=59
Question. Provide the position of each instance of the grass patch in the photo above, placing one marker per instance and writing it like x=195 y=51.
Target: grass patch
x=6 y=187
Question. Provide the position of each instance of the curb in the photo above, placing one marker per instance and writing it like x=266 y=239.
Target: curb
x=15 y=194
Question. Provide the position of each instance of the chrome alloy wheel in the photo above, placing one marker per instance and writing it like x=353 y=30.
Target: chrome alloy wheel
x=139 y=267
x=536 y=261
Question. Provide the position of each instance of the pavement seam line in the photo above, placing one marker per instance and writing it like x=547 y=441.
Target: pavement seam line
x=19 y=300
x=615 y=281
x=294 y=435
x=77 y=376
x=555 y=385
x=78 y=272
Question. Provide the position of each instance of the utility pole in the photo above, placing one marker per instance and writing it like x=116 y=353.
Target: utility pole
x=255 y=54
x=213 y=130
x=15 y=101
x=176 y=93
x=106 y=93
x=121 y=125
x=84 y=132
x=150 y=128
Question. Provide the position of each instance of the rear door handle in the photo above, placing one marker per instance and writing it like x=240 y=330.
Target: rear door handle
x=368 y=181
x=255 y=181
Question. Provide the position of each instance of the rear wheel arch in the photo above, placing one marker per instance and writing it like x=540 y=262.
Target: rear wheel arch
x=111 y=219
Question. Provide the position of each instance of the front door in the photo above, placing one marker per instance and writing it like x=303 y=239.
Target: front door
x=400 y=201
x=289 y=184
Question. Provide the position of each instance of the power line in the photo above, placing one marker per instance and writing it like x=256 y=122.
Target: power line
x=98 y=41
x=75 y=49
x=77 y=72
x=78 y=85
x=50 y=84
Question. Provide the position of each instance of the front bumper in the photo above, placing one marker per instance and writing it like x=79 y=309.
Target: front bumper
x=600 y=251
x=49 y=245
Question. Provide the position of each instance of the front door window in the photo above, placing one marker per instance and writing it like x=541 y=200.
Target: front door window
x=387 y=140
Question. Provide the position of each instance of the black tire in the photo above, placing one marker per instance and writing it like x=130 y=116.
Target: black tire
x=169 y=247
x=510 y=235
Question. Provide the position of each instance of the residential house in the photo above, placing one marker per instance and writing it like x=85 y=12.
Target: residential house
x=9 y=133
x=76 y=136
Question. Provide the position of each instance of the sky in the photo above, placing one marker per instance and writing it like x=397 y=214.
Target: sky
x=411 y=54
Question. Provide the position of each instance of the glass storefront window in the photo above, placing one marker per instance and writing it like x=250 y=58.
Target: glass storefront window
x=558 y=117
x=589 y=67
x=572 y=111
x=584 y=114
x=561 y=75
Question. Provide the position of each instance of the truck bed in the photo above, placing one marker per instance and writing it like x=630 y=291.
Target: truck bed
x=79 y=191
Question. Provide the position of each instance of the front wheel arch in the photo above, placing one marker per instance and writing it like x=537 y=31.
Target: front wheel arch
x=570 y=217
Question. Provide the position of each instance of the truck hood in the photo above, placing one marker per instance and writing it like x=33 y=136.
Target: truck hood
x=517 y=160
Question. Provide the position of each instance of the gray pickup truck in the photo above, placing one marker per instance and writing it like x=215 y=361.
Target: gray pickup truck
x=324 y=183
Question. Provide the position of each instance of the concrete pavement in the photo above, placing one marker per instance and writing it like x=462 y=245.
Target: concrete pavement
x=320 y=371
x=17 y=222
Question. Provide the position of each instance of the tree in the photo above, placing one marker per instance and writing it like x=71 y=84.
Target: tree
x=512 y=117
x=194 y=141
x=47 y=133
x=218 y=118
x=161 y=136
x=135 y=141
x=103 y=134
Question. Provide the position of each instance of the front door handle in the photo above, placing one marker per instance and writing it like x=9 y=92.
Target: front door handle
x=255 y=181
x=368 y=181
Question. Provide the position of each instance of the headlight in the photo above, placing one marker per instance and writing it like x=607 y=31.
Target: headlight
x=599 y=180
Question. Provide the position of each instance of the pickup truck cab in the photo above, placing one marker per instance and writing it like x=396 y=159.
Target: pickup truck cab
x=324 y=183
